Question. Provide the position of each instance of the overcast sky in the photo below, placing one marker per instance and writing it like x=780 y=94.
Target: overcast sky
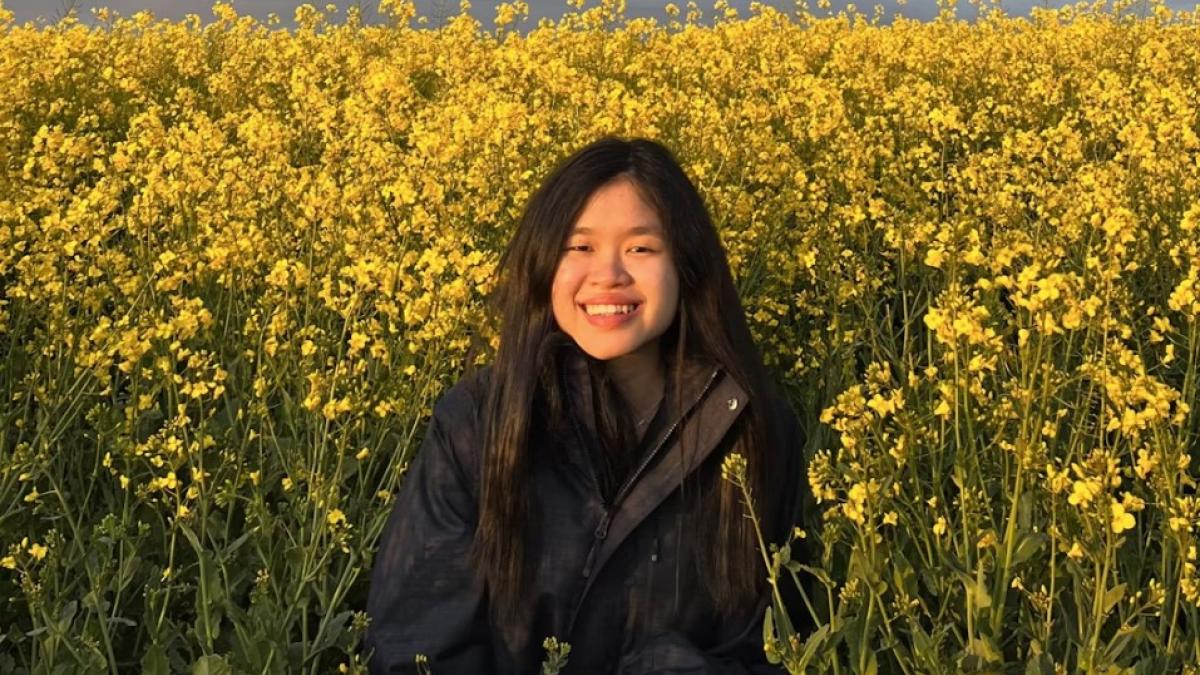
x=484 y=10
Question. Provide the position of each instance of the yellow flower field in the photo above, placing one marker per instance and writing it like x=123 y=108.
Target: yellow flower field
x=239 y=265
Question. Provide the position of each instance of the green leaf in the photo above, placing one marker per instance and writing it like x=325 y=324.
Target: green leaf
x=820 y=574
x=154 y=661
x=1158 y=663
x=1112 y=596
x=872 y=665
x=1029 y=546
x=208 y=573
x=861 y=568
x=903 y=576
x=783 y=621
x=857 y=634
x=812 y=644
x=1025 y=511
x=768 y=636
x=66 y=615
x=335 y=629
x=191 y=537
x=923 y=644
x=1039 y=665
x=209 y=600
x=976 y=591
x=1112 y=652
x=95 y=603
x=213 y=664
x=984 y=648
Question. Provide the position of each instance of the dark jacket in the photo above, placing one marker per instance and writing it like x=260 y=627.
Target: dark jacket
x=634 y=607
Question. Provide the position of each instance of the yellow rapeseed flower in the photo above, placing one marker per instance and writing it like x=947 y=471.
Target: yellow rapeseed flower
x=733 y=468
x=1057 y=479
x=1076 y=552
x=855 y=506
x=1121 y=520
x=1083 y=491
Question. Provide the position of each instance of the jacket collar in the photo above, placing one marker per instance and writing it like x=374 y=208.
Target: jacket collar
x=697 y=377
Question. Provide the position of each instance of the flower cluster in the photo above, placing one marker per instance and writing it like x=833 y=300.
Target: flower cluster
x=240 y=264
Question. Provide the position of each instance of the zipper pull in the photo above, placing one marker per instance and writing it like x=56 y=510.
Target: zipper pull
x=654 y=553
x=602 y=529
x=600 y=535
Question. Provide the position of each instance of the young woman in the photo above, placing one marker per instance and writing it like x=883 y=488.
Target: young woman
x=573 y=488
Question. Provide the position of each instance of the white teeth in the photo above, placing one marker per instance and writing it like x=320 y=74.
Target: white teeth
x=604 y=310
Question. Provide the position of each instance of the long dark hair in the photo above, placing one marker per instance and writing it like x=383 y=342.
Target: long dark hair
x=710 y=326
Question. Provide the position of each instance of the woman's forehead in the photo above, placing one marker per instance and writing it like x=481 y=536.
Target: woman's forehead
x=644 y=228
x=618 y=206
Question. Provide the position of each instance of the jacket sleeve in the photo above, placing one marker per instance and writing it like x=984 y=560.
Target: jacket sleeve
x=672 y=652
x=423 y=598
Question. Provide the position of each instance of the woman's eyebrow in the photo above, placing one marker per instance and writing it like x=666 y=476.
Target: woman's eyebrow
x=636 y=230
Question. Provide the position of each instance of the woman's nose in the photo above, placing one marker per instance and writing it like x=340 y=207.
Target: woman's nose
x=609 y=269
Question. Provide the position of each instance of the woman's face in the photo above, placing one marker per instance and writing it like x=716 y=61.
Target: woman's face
x=615 y=260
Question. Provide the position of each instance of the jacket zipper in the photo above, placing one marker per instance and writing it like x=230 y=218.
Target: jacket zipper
x=601 y=532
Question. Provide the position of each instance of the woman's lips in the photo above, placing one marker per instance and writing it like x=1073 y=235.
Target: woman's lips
x=610 y=320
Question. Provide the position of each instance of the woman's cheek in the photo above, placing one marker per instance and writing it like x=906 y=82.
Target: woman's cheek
x=562 y=295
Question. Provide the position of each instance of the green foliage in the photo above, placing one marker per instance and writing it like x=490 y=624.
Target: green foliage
x=237 y=268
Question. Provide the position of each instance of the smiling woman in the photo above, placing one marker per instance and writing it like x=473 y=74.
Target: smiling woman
x=616 y=291
x=573 y=488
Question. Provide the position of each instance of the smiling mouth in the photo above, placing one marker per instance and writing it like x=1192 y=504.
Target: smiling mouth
x=610 y=310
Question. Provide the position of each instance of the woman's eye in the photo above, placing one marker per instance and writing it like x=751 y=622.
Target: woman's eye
x=581 y=247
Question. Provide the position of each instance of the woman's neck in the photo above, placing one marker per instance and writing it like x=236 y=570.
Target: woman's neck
x=639 y=376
